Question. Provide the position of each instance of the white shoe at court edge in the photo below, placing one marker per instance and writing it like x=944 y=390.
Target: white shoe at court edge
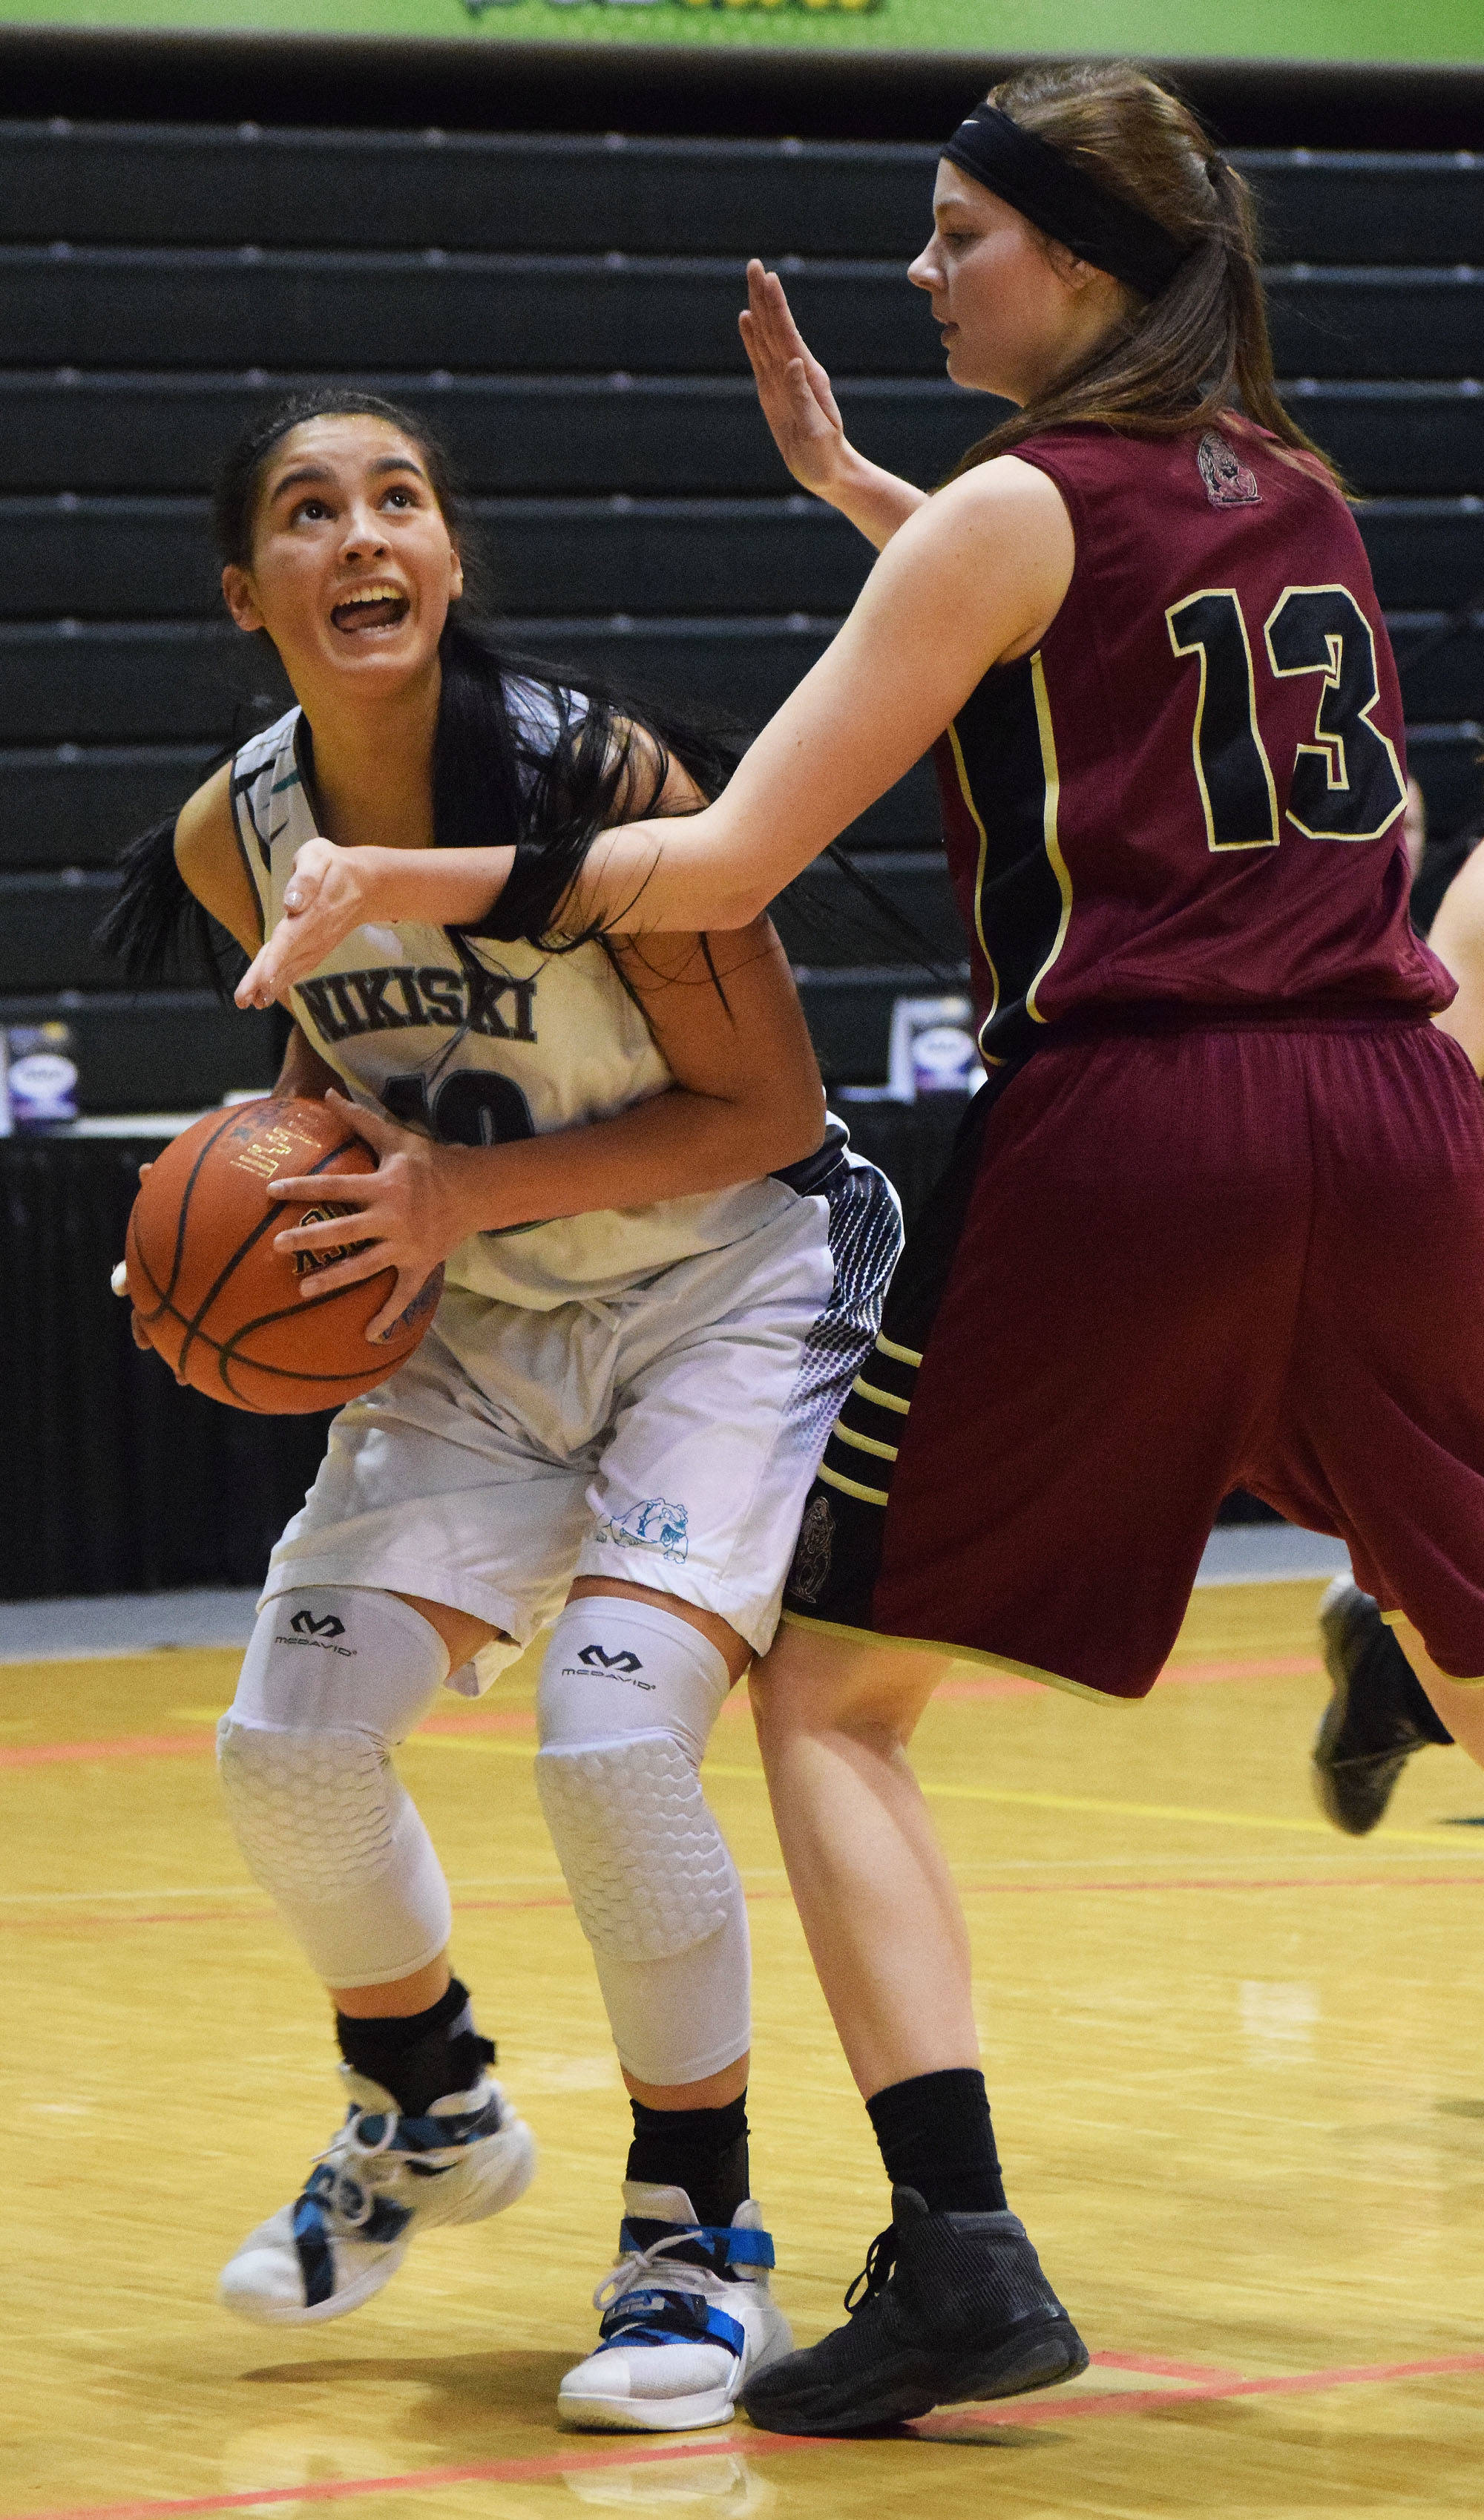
x=687 y=2319
x=383 y=2178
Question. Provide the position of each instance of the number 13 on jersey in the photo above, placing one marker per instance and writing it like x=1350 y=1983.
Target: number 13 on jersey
x=1346 y=781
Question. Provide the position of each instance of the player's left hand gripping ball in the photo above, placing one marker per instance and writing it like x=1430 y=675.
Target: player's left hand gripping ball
x=406 y=1215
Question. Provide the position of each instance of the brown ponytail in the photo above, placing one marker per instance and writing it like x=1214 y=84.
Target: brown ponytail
x=1200 y=350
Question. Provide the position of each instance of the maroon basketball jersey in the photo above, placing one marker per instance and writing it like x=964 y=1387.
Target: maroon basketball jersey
x=1192 y=790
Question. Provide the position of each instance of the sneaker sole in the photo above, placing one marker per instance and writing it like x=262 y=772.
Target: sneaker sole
x=647 y=2414
x=1039 y=2355
x=262 y=2309
x=582 y=2411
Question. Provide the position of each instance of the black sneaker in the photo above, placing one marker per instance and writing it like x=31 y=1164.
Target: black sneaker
x=954 y=2306
x=1378 y=1715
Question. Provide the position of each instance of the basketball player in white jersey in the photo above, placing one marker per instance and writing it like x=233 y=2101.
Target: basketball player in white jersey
x=661 y=1271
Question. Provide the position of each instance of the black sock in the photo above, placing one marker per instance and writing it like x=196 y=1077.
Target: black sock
x=419 y=2057
x=704 y=2151
x=935 y=2135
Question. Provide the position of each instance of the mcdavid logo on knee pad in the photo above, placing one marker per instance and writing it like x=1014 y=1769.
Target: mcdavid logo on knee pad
x=310 y=1630
x=624 y=1664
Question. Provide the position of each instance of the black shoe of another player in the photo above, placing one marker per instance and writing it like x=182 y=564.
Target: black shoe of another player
x=1378 y=1715
x=950 y=2307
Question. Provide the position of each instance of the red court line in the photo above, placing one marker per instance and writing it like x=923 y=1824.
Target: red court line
x=1007 y=1686
x=751 y=2444
x=518 y=1719
x=494 y=1718
x=1242 y=1667
x=1139 y=2401
x=467 y=1906
x=1158 y=2368
x=120 y=1745
x=118 y=1919
x=122 y=1922
x=1316 y=1880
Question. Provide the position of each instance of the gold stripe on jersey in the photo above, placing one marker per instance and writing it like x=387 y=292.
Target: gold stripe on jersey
x=850 y=1633
x=844 y=1434
x=1052 y=776
x=882 y=1399
x=960 y=768
x=900 y=1355
x=852 y=1487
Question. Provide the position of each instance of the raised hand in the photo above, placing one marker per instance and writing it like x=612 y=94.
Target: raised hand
x=800 y=407
x=327 y=896
x=794 y=390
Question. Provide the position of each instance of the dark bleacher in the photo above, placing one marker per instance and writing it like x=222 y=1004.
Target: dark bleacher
x=564 y=309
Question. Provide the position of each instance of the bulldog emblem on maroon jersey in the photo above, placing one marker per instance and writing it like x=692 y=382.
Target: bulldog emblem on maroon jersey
x=1229 y=483
x=810 y=1570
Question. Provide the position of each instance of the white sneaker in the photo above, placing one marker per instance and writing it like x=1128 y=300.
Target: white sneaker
x=382 y=2179
x=687 y=2319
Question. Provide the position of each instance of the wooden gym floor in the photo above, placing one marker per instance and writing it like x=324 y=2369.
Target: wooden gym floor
x=1237 y=2065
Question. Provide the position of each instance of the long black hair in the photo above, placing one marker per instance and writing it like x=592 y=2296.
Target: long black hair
x=499 y=778
x=598 y=756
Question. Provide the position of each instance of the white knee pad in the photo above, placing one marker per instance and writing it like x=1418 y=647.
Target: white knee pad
x=334 y=1676
x=628 y=1697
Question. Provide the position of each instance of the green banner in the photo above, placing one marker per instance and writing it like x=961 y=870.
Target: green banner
x=1333 y=30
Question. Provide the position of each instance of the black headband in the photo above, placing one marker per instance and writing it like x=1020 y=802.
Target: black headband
x=1059 y=198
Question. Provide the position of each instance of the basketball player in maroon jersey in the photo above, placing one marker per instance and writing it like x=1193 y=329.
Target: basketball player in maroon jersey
x=1140 y=631
x=1379 y=1716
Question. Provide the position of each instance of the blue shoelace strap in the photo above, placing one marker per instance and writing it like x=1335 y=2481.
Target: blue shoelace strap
x=716 y=2245
x=658 y=2316
x=428 y=2134
x=311 y=2233
x=326 y=2187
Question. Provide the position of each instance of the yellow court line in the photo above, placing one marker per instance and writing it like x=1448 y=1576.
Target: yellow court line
x=523 y=1749
x=1137 y=1810
x=1012 y=1800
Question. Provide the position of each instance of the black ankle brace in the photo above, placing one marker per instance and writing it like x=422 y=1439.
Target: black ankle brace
x=704 y=2151
x=419 y=2057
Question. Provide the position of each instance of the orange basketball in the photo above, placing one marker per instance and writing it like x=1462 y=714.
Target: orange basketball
x=219 y=1304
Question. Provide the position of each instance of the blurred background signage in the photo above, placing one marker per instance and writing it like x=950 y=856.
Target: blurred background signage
x=1357 y=31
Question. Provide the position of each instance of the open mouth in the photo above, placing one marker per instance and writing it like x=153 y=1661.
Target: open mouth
x=377 y=606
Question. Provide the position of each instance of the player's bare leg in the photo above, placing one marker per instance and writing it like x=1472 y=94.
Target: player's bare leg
x=428 y=2137
x=882 y=1919
x=688 y=2316
x=955 y=2304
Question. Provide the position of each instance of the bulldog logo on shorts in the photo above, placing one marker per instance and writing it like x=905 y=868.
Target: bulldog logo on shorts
x=651 y=1524
x=810 y=1571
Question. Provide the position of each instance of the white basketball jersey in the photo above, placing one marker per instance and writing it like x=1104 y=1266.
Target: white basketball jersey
x=479 y=1043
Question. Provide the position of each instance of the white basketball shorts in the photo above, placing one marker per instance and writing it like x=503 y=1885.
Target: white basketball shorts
x=666 y=1436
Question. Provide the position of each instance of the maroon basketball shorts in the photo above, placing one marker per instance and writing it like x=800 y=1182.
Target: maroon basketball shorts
x=1161 y=1266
